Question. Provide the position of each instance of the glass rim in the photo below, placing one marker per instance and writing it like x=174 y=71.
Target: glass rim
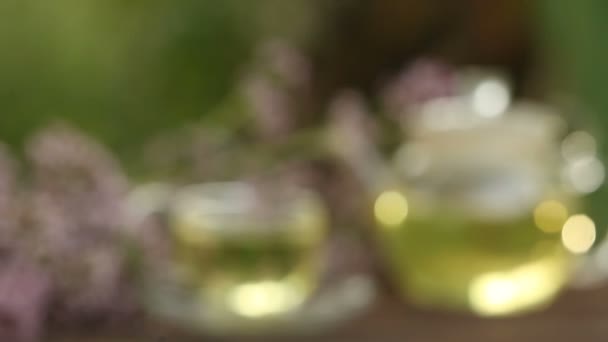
x=242 y=207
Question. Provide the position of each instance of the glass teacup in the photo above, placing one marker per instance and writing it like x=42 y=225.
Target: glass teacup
x=242 y=256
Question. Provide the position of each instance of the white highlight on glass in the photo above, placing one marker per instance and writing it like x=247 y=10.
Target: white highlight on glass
x=491 y=98
x=264 y=298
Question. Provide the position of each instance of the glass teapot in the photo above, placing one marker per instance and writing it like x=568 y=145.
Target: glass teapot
x=484 y=212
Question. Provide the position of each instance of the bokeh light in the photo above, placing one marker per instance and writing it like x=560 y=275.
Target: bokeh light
x=550 y=216
x=391 y=208
x=491 y=98
x=585 y=175
x=578 y=234
x=577 y=145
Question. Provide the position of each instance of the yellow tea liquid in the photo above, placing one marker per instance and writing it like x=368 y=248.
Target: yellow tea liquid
x=448 y=260
x=247 y=265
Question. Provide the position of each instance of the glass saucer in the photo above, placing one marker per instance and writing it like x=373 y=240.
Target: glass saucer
x=342 y=295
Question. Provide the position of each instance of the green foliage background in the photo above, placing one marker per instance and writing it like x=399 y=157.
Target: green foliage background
x=127 y=69
x=575 y=41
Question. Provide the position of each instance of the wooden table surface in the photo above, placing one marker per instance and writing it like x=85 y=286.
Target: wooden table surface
x=576 y=316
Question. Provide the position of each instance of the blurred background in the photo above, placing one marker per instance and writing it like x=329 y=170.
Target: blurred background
x=154 y=65
x=196 y=91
